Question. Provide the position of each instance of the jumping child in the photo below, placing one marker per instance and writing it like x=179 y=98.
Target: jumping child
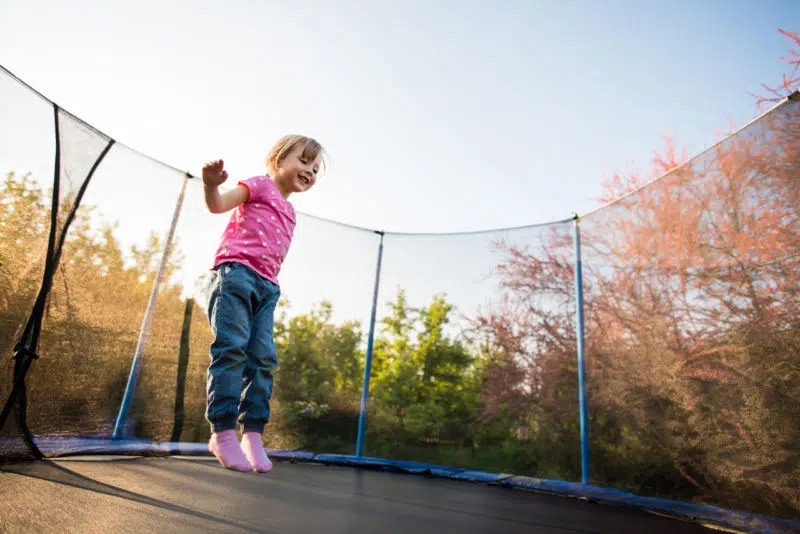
x=244 y=294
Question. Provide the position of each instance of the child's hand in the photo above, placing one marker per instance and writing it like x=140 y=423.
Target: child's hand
x=214 y=174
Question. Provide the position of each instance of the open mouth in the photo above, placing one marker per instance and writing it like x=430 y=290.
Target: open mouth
x=304 y=180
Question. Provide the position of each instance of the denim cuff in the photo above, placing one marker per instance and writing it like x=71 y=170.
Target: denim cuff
x=222 y=425
x=253 y=426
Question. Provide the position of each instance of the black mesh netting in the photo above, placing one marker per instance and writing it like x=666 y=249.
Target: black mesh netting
x=27 y=145
x=691 y=299
x=475 y=352
x=78 y=150
x=692 y=291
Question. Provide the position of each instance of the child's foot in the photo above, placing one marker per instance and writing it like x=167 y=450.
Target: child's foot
x=253 y=449
x=226 y=449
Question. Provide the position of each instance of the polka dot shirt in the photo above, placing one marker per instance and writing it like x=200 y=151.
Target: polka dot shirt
x=260 y=230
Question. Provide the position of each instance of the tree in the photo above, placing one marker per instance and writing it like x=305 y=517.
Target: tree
x=92 y=316
x=318 y=381
x=789 y=81
x=691 y=292
x=23 y=247
x=426 y=382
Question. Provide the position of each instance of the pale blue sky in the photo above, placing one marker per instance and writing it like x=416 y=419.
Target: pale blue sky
x=440 y=116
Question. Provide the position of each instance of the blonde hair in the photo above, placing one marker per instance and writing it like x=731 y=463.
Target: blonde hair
x=286 y=144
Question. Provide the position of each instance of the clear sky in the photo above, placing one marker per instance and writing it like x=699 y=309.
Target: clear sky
x=439 y=116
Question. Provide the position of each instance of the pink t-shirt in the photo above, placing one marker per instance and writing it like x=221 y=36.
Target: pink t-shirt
x=259 y=231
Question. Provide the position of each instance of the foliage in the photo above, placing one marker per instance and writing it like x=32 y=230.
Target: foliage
x=692 y=285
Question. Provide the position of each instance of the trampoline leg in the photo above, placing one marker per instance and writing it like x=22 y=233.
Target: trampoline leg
x=584 y=417
x=362 y=416
x=120 y=430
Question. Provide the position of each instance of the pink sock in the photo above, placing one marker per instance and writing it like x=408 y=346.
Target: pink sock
x=226 y=449
x=253 y=449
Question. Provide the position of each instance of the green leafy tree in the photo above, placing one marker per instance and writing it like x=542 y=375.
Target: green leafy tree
x=318 y=381
x=424 y=378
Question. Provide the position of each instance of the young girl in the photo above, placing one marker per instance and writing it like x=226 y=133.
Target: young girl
x=244 y=293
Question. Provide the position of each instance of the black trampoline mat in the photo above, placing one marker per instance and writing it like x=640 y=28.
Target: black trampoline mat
x=138 y=494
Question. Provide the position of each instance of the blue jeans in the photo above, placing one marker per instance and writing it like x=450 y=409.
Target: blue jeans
x=241 y=311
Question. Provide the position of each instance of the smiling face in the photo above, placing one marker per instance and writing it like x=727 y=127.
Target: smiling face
x=297 y=172
x=294 y=164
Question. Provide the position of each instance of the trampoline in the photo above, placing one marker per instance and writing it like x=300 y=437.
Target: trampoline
x=614 y=371
x=181 y=494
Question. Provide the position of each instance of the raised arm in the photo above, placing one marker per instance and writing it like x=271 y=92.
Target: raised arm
x=215 y=175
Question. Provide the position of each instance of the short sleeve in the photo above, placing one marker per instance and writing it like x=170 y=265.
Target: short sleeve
x=258 y=186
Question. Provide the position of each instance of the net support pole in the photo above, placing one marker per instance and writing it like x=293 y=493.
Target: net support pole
x=183 y=364
x=144 y=332
x=579 y=325
x=362 y=416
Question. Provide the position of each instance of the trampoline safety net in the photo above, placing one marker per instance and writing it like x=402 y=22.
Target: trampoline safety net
x=690 y=294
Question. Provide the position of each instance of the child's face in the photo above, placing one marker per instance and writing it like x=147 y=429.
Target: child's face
x=296 y=173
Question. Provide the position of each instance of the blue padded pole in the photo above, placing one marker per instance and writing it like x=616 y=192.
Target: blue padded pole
x=584 y=416
x=144 y=332
x=362 y=416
